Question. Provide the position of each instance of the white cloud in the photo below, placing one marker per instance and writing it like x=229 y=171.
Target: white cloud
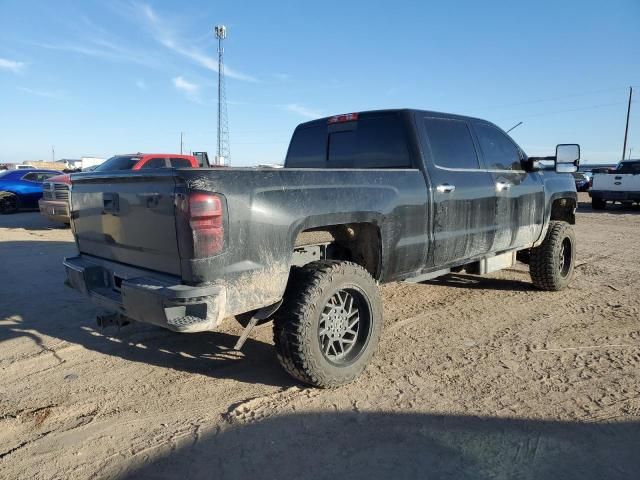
x=302 y=110
x=163 y=34
x=11 y=65
x=42 y=93
x=181 y=84
x=141 y=84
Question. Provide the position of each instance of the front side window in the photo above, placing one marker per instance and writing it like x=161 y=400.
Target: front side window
x=451 y=143
x=500 y=153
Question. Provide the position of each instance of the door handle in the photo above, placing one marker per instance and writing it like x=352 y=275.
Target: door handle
x=502 y=186
x=445 y=188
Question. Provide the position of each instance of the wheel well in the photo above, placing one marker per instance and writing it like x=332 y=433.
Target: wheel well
x=564 y=209
x=356 y=242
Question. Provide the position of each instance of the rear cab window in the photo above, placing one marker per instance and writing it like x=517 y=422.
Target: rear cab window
x=375 y=140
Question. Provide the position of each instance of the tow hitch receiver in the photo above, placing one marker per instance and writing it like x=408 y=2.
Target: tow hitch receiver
x=110 y=319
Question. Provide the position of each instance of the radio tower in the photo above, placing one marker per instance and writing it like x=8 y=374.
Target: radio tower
x=222 y=156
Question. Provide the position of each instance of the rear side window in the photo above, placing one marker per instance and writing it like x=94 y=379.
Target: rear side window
x=369 y=142
x=155 y=163
x=500 y=153
x=179 y=162
x=451 y=143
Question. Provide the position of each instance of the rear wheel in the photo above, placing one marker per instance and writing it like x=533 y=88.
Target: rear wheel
x=598 y=204
x=8 y=202
x=329 y=324
x=551 y=264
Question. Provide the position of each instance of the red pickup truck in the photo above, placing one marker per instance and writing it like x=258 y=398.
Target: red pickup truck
x=55 y=200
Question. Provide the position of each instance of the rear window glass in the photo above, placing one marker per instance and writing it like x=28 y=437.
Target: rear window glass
x=370 y=142
x=628 y=167
x=308 y=147
x=451 y=143
x=119 y=162
x=179 y=162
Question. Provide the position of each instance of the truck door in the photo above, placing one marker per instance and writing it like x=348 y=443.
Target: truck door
x=463 y=193
x=519 y=194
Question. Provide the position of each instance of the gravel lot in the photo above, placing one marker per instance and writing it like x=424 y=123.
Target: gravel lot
x=475 y=377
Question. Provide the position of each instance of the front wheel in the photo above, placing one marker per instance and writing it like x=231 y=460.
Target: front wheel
x=8 y=202
x=329 y=324
x=551 y=264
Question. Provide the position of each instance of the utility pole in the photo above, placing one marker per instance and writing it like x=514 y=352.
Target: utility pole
x=222 y=156
x=53 y=153
x=181 y=133
x=626 y=128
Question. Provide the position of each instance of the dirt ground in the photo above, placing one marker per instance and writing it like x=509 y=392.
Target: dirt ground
x=475 y=377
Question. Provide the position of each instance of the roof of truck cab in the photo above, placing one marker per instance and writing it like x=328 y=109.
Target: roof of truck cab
x=139 y=154
x=372 y=113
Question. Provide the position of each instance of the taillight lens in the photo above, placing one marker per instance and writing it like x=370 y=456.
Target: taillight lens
x=204 y=217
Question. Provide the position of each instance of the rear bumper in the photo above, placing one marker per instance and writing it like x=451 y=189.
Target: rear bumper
x=614 y=195
x=147 y=296
x=57 y=210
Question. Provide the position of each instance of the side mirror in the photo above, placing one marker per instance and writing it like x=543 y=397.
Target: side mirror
x=567 y=157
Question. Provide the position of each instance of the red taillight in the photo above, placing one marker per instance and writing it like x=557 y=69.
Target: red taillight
x=207 y=226
x=346 y=117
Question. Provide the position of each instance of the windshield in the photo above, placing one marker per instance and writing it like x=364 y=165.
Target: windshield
x=119 y=162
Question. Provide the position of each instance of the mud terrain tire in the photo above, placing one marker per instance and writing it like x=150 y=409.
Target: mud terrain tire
x=551 y=264
x=8 y=202
x=329 y=324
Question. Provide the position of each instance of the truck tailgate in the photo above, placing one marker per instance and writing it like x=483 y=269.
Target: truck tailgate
x=127 y=218
x=616 y=182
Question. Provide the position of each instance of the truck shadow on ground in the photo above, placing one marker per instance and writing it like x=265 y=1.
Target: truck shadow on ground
x=35 y=304
x=29 y=220
x=461 y=280
x=367 y=445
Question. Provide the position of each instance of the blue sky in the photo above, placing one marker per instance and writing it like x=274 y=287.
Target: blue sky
x=100 y=78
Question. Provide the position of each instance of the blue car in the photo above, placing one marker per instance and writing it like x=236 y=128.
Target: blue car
x=22 y=188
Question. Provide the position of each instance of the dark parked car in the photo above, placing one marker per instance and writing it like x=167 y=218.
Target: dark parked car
x=21 y=189
x=582 y=181
x=364 y=198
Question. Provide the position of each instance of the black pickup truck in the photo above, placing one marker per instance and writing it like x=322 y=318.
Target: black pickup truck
x=363 y=198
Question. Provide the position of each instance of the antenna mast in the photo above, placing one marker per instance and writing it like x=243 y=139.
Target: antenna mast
x=223 y=154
